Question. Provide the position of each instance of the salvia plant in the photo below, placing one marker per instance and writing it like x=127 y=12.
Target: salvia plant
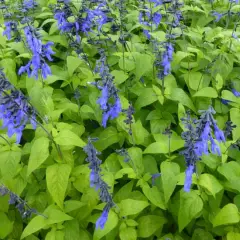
x=119 y=119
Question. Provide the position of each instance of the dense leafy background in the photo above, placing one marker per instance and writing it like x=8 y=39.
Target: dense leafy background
x=205 y=64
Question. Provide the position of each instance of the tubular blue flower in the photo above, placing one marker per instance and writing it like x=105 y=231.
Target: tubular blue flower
x=11 y=27
x=206 y=131
x=197 y=137
x=219 y=134
x=225 y=102
x=157 y=17
x=235 y=92
x=97 y=182
x=40 y=52
x=214 y=147
x=109 y=91
x=103 y=100
x=147 y=34
x=218 y=16
x=166 y=58
x=15 y=111
x=103 y=218
x=188 y=179
x=29 y=4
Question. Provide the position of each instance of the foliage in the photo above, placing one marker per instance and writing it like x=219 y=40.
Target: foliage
x=119 y=119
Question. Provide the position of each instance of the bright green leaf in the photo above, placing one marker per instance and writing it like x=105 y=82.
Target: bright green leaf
x=39 y=153
x=190 y=206
x=57 y=176
x=227 y=215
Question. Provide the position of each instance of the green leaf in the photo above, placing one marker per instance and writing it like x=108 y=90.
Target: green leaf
x=162 y=144
x=124 y=192
x=190 y=206
x=235 y=116
x=178 y=94
x=227 y=215
x=193 y=79
x=9 y=161
x=107 y=137
x=128 y=233
x=9 y=66
x=136 y=157
x=55 y=235
x=233 y=236
x=67 y=138
x=57 y=176
x=219 y=82
x=131 y=207
x=72 y=64
x=147 y=97
x=119 y=76
x=111 y=223
x=169 y=176
x=208 y=92
x=210 y=183
x=39 y=153
x=148 y=225
x=144 y=64
x=71 y=230
x=34 y=225
x=71 y=205
x=6 y=225
x=154 y=195
x=200 y=234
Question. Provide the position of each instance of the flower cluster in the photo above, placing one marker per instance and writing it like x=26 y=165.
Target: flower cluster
x=148 y=17
x=163 y=59
x=19 y=203
x=15 y=110
x=40 y=52
x=196 y=137
x=97 y=182
x=19 y=14
x=109 y=91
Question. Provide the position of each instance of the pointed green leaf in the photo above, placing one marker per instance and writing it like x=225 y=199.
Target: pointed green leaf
x=169 y=175
x=66 y=137
x=190 y=206
x=208 y=92
x=57 y=176
x=209 y=182
x=39 y=153
x=227 y=215
x=148 y=225
x=131 y=207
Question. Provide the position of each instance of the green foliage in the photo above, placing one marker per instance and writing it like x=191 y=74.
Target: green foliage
x=49 y=169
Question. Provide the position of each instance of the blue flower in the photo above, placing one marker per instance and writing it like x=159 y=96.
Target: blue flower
x=206 y=132
x=157 y=18
x=218 y=16
x=29 y=4
x=97 y=182
x=103 y=100
x=103 y=218
x=40 y=52
x=219 y=134
x=235 y=92
x=166 y=58
x=225 y=102
x=147 y=34
x=214 y=147
x=188 y=179
x=10 y=27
